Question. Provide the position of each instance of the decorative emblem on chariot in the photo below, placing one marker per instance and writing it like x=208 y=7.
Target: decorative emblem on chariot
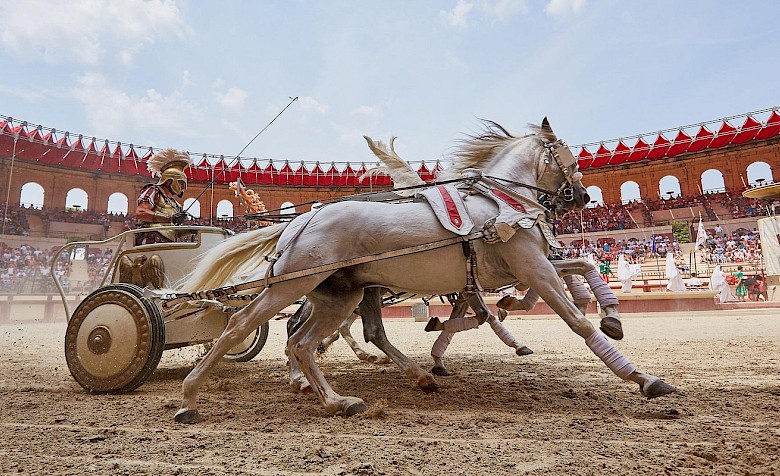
x=142 y=271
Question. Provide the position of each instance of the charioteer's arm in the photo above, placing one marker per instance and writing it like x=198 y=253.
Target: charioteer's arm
x=145 y=213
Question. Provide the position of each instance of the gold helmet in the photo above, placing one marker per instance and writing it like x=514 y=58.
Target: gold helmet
x=169 y=164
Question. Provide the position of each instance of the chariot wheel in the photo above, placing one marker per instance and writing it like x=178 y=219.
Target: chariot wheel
x=114 y=339
x=250 y=347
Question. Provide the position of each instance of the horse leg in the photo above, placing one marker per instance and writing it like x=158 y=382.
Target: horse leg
x=328 y=314
x=511 y=303
x=262 y=309
x=374 y=331
x=553 y=294
x=298 y=382
x=579 y=293
x=327 y=342
x=610 y=323
x=457 y=322
x=459 y=309
x=507 y=338
x=437 y=352
x=480 y=309
x=344 y=330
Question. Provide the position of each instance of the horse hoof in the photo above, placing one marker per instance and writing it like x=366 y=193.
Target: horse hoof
x=505 y=302
x=301 y=388
x=659 y=388
x=502 y=313
x=440 y=371
x=188 y=417
x=355 y=408
x=428 y=384
x=524 y=350
x=612 y=327
x=434 y=324
x=383 y=360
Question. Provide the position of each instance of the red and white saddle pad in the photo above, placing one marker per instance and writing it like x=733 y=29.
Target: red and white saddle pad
x=447 y=204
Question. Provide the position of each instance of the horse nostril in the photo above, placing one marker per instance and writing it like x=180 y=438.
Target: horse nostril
x=586 y=198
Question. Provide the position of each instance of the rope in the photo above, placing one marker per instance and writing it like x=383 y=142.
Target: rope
x=238 y=156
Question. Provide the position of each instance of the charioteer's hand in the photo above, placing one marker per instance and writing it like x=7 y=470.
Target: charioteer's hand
x=179 y=218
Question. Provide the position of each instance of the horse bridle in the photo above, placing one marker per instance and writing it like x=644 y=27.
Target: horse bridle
x=565 y=159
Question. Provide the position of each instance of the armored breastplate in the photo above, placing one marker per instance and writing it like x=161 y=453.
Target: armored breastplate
x=169 y=207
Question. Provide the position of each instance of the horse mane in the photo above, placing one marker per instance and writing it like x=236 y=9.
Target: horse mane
x=478 y=149
x=473 y=152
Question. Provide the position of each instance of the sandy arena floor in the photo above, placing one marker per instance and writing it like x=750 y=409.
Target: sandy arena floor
x=557 y=412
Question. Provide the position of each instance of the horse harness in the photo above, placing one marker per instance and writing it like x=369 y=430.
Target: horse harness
x=512 y=215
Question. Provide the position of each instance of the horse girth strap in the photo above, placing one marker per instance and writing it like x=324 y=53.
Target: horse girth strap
x=266 y=282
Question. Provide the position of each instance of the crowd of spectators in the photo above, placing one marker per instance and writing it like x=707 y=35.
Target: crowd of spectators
x=592 y=219
x=738 y=247
x=673 y=202
x=721 y=247
x=618 y=216
x=601 y=218
x=637 y=251
x=15 y=223
x=27 y=268
x=741 y=207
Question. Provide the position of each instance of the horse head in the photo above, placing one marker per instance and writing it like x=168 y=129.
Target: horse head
x=539 y=163
x=560 y=170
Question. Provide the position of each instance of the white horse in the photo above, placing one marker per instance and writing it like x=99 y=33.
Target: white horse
x=404 y=248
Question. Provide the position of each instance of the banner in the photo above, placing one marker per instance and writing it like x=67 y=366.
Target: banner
x=769 y=229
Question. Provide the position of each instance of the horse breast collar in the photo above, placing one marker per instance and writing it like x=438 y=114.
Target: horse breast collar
x=514 y=210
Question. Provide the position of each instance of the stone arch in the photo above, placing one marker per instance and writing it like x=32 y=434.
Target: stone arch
x=712 y=181
x=32 y=195
x=225 y=209
x=192 y=206
x=77 y=199
x=759 y=173
x=117 y=203
x=630 y=191
x=669 y=186
x=595 y=196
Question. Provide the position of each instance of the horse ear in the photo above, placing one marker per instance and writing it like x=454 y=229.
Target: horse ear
x=546 y=124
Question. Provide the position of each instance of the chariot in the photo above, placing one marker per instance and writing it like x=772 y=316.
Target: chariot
x=116 y=335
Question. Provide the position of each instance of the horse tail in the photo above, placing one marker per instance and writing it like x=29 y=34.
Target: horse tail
x=402 y=173
x=237 y=259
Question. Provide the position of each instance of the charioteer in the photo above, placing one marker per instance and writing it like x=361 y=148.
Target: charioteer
x=157 y=203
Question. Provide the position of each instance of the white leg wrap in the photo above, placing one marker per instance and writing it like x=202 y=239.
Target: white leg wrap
x=608 y=354
x=529 y=301
x=579 y=293
x=503 y=333
x=460 y=324
x=441 y=344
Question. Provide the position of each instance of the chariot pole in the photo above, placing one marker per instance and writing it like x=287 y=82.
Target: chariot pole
x=238 y=156
x=10 y=177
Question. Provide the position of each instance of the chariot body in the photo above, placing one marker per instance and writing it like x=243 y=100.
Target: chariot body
x=117 y=334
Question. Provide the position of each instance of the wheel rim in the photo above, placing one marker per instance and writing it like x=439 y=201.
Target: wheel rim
x=109 y=341
x=246 y=344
